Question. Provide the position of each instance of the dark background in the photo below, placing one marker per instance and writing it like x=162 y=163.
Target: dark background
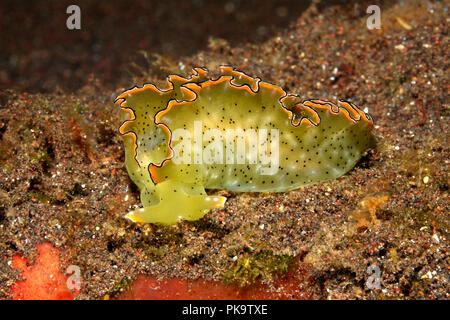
x=38 y=52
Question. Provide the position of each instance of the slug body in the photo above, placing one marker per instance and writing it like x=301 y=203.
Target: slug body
x=236 y=133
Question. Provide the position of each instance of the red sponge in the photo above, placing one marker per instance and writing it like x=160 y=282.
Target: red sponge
x=43 y=280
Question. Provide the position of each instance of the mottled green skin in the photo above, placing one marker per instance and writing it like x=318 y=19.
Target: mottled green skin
x=324 y=145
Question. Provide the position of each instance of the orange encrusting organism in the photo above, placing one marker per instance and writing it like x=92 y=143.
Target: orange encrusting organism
x=234 y=132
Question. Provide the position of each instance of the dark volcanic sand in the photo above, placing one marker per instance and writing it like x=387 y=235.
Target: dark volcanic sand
x=62 y=178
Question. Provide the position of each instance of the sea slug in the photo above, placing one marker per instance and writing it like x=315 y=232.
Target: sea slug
x=236 y=133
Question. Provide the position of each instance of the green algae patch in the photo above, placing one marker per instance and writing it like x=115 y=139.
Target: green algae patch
x=247 y=268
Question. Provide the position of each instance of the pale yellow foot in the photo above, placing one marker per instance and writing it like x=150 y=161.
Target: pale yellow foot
x=175 y=205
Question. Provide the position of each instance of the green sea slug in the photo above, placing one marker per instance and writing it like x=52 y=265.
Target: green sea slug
x=236 y=133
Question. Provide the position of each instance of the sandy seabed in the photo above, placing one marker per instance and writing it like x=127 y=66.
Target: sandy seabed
x=63 y=182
